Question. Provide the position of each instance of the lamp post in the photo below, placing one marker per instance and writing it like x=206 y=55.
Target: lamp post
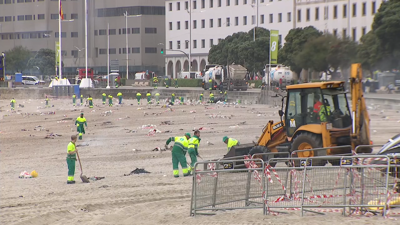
x=126 y=40
x=86 y=38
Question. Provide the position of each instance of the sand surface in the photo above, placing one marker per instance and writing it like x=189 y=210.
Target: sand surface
x=107 y=151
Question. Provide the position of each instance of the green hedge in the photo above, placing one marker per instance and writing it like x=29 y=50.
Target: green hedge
x=257 y=83
x=181 y=83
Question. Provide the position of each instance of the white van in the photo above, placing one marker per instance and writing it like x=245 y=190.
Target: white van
x=31 y=80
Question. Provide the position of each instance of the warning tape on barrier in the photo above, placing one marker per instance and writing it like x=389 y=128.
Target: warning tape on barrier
x=210 y=166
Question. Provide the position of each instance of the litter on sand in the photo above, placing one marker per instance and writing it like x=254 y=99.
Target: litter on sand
x=96 y=178
x=137 y=171
x=52 y=136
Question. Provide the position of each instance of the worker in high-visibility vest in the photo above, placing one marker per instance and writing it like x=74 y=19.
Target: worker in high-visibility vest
x=71 y=158
x=138 y=97
x=230 y=142
x=182 y=100
x=110 y=99
x=193 y=146
x=90 y=99
x=158 y=98
x=176 y=83
x=104 y=96
x=119 y=95
x=116 y=82
x=148 y=95
x=155 y=82
x=178 y=154
x=73 y=99
x=211 y=97
x=80 y=121
x=210 y=81
x=226 y=96
x=166 y=82
x=201 y=97
x=173 y=98
x=81 y=99
x=47 y=102
x=12 y=104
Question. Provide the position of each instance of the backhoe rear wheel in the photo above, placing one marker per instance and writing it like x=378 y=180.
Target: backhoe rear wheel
x=265 y=158
x=305 y=141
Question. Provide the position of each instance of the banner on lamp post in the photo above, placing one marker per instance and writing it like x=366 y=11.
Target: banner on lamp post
x=57 y=53
x=273 y=48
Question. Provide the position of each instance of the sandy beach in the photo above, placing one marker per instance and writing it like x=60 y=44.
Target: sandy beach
x=116 y=144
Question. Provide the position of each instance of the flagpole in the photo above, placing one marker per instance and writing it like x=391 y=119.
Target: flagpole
x=59 y=39
x=269 y=69
x=108 y=55
x=86 y=39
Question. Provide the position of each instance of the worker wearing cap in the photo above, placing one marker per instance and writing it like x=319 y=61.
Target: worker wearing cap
x=71 y=158
x=80 y=121
x=230 y=142
x=12 y=104
x=226 y=96
x=47 y=102
x=73 y=99
x=110 y=98
x=173 y=98
x=148 y=95
x=119 y=95
x=210 y=81
x=104 y=96
x=116 y=82
x=176 y=83
x=178 y=154
x=155 y=82
x=138 y=97
x=158 y=98
x=201 y=97
x=211 y=97
x=193 y=146
x=90 y=99
x=81 y=99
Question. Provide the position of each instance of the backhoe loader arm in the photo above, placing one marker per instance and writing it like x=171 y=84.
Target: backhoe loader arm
x=360 y=134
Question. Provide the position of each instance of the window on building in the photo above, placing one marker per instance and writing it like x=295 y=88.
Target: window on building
x=136 y=50
x=219 y=3
x=54 y=16
x=31 y=36
x=194 y=24
x=211 y=23
x=289 y=16
x=344 y=33
x=298 y=15
x=219 y=40
x=354 y=9
x=228 y=2
x=150 y=30
x=194 y=4
x=1 y=18
x=236 y=2
x=170 y=6
x=279 y=17
x=326 y=12
x=344 y=11
x=21 y=18
x=354 y=34
x=170 y=44
x=178 y=44
x=40 y=16
x=112 y=31
x=335 y=12
x=186 y=44
x=211 y=3
x=28 y=17
x=203 y=43
x=20 y=1
x=203 y=23
x=364 y=9
x=74 y=16
x=373 y=8
x=244 y=2
x=63 y=34
x=186 y=5
x=136 y=30
x=28 y=0
x=211 y=42
x=74 y=53
x=203 y=4
x=74 y=34
x=334 y=32
x=178 y=25
x=7 y=18
x=170 y=25
x=236 y=21
x=103 y=32
x=244 y=20
x=219 y=22
x=186 y=25
x=194 y=43
x=262 y=19
x=316 y=13
x=271 y=18
x=150 y=50
x=96 y=32
x=363 y=31
x=102 y=51
x=307 y=14
x=112 y=51
x=228 y=22
x=279 y=38
x=119 y=51
x=178 y=6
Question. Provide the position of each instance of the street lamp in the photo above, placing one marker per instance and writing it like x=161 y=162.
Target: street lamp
x=126 y=37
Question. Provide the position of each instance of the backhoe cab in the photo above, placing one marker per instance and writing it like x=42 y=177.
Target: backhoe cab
x=317 y=115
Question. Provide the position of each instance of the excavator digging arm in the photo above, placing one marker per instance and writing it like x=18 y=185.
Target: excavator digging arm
x=360 y=134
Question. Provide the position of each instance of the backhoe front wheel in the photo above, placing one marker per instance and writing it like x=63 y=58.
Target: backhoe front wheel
x=259 y=150
x=305 y=141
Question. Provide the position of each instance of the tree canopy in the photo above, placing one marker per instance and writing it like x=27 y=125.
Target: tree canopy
x=17 y=59
x=240 y=48
x=45 y=60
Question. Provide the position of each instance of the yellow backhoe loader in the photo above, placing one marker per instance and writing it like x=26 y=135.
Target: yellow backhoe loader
x=317 y=115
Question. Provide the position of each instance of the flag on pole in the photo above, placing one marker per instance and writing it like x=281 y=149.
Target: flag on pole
x=61 y=12
x=274 y=38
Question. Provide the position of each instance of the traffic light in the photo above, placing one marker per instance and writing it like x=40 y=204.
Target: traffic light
x=162 y=51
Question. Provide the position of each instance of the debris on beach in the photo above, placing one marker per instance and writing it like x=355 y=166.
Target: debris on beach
x=137 y=171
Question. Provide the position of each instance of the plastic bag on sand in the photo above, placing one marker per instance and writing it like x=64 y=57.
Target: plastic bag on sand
x=25 y=174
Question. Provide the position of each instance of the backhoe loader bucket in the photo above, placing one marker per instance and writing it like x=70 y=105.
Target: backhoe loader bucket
x=239 y=150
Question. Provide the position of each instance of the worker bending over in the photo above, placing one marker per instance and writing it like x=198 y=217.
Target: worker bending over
x=230 y=142
x=138 y=97
x=90 y=99
x=193 y=151
x=119 y=95
x=178 y=154
x=148 y=95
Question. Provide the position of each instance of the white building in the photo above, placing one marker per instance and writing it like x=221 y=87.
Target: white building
x=193 y=26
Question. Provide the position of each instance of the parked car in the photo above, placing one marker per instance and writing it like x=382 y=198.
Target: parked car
x=31 y=80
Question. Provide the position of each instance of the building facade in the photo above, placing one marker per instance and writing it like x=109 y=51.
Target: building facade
x=194 y=26
x=34 y=24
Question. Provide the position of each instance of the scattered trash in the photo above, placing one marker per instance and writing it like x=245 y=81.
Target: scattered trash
x=136 y=150
x=153 y=132
x=107 y=113
x=137 y=171
x=209 y=143
x=82 y=145
x=24 y=130
x=21 y=106
x=193 y=111
x=39 y=128
x=104 y=186
x=25 y=174
x=242 y=123
x=106 y=123
x=62 y=121
x=166 y=123
x=159 y=149
x=126 y=117
x=233 y=127
x=96 y=178
x=52 y=136
x=67 y=118
x=149 y=126
x=168 y=131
